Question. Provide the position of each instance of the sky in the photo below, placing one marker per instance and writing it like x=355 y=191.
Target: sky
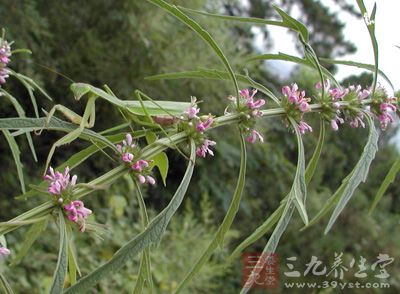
x=387 y=21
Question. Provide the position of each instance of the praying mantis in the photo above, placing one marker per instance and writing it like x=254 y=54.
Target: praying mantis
x=149 y=113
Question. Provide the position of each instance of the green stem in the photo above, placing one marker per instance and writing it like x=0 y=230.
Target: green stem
x=147 y=152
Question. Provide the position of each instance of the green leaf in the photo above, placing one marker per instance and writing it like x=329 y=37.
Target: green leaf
x=299 y=189
x=253 y=20
x=359 y=173
x=215 y=75
x=73 y=266
x=312 y=165
x=152 y=235
x=5 y=286
x=135 y=107
x=162 y=163
x=293 y=23
x=226 y=223
x=62 y=262
x=290 y=58
x=151 y=137
x=179 y=14
x=371 y=31
x=366 y=66
x=16 y=155
x=365 y=160
x=3 y=241
x=258 y=233
x=390 y=177
x=55 y=124
x=296 y=194
x=21 y=113
x=145 y=263
x=31 y=236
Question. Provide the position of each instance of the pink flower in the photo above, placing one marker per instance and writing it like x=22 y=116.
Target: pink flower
x=140 y=165
x=335 y=121
x=304 y=127
x=387 y=107
x=338 y=93
x=204 y=149
x=77 y=213
x=363 y=94
x=203 y=126
x=304 y=106
x=141 y=179
x=128 y=142
x=192 y=112
x=127 y=157
x=358 y=121
x=245 y=93
x=327 y=85
x=150 y=180
x=385 y=118
x=254 y=135
x=59 y=182
x=5 y=53
x=296 y=97
x=4 y=252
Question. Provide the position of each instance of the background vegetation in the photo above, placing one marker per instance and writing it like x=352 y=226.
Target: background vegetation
x=119 y=43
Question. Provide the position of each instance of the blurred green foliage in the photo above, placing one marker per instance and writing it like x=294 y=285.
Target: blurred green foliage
x=119 y=43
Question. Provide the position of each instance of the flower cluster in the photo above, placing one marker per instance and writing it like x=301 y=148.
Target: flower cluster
x=332 y=110
x=5 y=54
x=60 y=182
x=296 y=104
x=77 y=213
x=61 y=185
x=251 y=108
x=196 y=126
x=384 y=107
x=385 y=117
x=4 y=252
x=129 y=152
x=204 y=149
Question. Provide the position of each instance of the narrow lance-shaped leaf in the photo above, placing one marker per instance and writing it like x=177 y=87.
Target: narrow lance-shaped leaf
x=30 y=238
x=275 y=216
x=62 y=262
x=34 y=124
x=226 y=223
x=16 y=155
x=135 y=107
x=366 y=66
x=390 y=177
x=21 y=113
x=145 y=265
x=4 y=285
x=214 y=75
x=294 y=59
x=298 y=188
x=365 y=160
x=312 y=165
x=252 y=20
x=359 y=173
x=175 y=11
x=152 y=235
x=293 y=23
x=370 y=23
